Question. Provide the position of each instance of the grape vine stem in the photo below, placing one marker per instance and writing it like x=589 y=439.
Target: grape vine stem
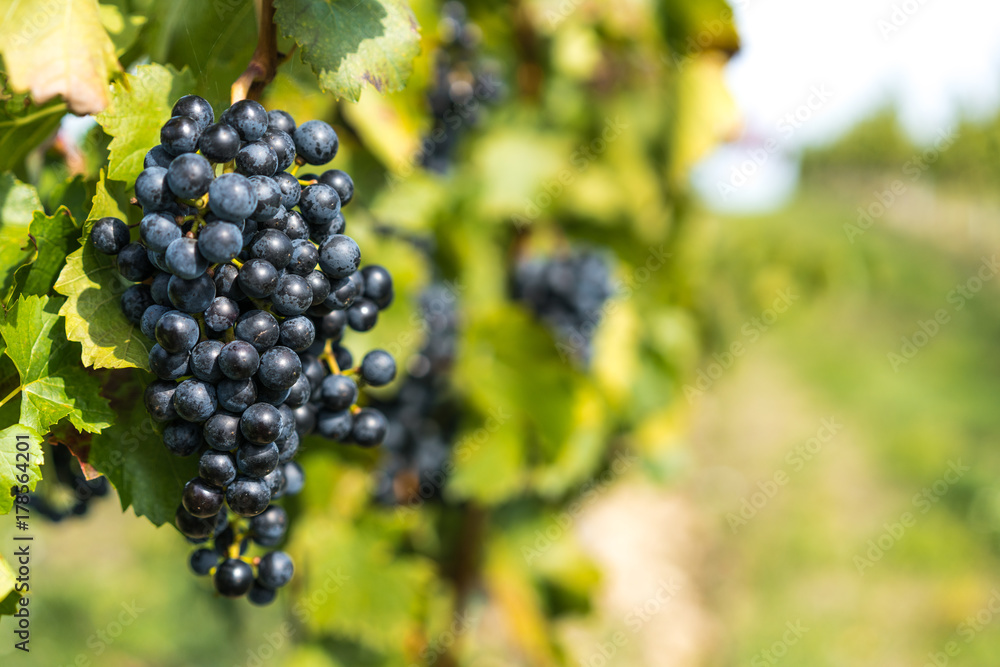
x=10 y=395
x=265 y=60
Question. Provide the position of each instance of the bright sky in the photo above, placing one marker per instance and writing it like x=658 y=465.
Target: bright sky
x=936 y=60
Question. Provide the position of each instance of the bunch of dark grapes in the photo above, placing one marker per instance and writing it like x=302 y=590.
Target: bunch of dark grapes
x=71 y=479
x=246 y=283
x=567 y=294
x=423 y=415
x=462 y=81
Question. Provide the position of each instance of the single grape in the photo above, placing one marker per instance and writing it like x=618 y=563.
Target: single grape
x=195 y=108
x=249 y=118
x=158 y=399
x=236 y=395
x=205 y=360
x=184 y=260
x=290 y=188
x=193 y=527
x=177 y=332
x=195 y=400
x=239 y=360
x=341 y=182
x=319 y=204
x=300 y=393
x=304 y=258
x=203 y=560
x=259 y=328
x=268 y=197
x=217 y=468
x=320 y=286
x=338 y=392
x=191 y=296
x=363 y=315
x=334 y=425
x=256 y=159
x=152 y=191
x=248 y=496
x=273 y=397
x=313 y=370
x=180 y=135
x=134 y=302
x=158 y=288
x=221 y=430
x=182 y=438
x=158 y=231
x=280 y=120
x=258 y=278
x=109 y=235
x=219 y=143
x=275 y=569
x=292 y=296
x=316 y=142
x=220 y=242
x=343 y=293
x=189 y=176
x=221 y=314
x=343 y=357
x=201 y=499
x=150 y=318
x=261 y=423
x=167 y=366
x=260 y=595
x=294 y=478
x=369 y=428
x=296 y=228
x=233 y=578
x=378 y=285
x=283 y=146
x=305 y=419
x=271 y=246
x=339 y=256
x=257 y=460
x=279 y=368
x=378 y=368
x=134 y=264
x=268 y=528
x=226 y=283
x=297 y=333
x=232 y=197
x=157 y=156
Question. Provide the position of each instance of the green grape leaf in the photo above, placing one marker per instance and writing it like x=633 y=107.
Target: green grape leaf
x=8 y=596
x=93 y=287
x=54 y=237
x=358 y=587
x=58 y=48
x=20 y=456
x=133 y=457
x=24 y=130
x=52 y=384
x=488 y=466
x=18 y=203
x=138 y=108
x=123 y=27
x=350 y=42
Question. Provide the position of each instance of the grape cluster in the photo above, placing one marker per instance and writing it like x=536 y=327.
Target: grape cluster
x=461 y=82
x=423 y=415
x=246 y=283
x=71 y=479
x=568 y=294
